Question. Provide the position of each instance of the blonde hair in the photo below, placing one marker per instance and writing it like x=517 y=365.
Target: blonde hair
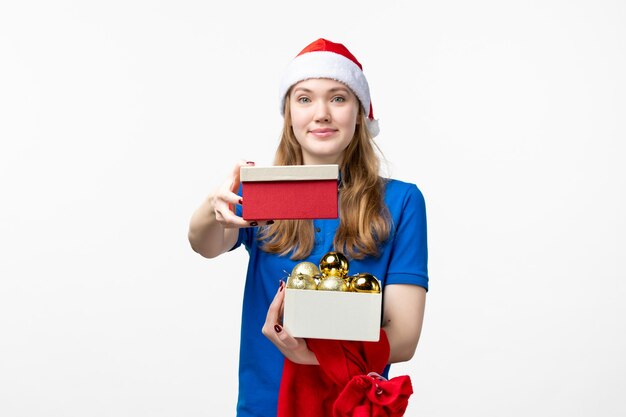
x=364 y=218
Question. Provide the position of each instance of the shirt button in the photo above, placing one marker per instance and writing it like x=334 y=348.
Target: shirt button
x=317 y=230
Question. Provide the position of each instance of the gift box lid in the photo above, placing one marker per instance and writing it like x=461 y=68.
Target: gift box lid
x=290 y=173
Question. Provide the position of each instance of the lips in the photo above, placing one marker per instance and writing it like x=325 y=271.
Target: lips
x=322 y=132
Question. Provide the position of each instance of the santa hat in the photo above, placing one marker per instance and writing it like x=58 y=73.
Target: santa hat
x=326 y=59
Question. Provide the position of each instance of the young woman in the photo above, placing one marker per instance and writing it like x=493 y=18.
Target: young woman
x=328 y=119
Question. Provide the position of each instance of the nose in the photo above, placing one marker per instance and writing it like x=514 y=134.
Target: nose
x=322 y=112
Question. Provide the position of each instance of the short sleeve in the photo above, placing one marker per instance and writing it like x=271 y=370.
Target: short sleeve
x=409 y=251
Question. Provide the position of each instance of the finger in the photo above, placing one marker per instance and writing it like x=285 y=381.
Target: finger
x=228 y=197
x=274 y=311
x=288 y=341
x=227 y=194
x=271 y=318
x=281 y=300
x=230 y=220
x=236 y=182
x=225 y=216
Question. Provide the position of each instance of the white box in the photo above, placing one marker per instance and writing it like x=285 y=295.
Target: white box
x=335 y=315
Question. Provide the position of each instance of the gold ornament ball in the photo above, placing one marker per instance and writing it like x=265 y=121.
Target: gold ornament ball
x=301 y=282
x=348 y=279
x=332 y=283
x=334 y=264
x=305 y=268
x=364 y=282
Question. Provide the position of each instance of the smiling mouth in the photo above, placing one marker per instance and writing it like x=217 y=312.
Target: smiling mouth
x=322 y=133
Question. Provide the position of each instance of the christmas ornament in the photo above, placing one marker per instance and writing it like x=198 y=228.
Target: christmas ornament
x=332 y=283
x=364 y=282
x=332 y=275
x=334 y=267
x=301 y=282
x=305 y=268
x=334 y=264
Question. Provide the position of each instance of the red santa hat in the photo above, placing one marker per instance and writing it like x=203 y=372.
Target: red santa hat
x=326 y=59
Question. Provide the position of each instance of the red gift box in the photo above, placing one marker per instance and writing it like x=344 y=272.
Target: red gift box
x=290 y=192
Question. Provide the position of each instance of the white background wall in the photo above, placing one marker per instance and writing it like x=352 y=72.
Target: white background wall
x=117 y=118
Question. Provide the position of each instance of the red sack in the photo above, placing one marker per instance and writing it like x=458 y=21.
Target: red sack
x=345 y=384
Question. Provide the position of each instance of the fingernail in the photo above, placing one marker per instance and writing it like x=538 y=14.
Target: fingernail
x=240 y=201
x=277 y=328
x=254 y=224
x=270 y=222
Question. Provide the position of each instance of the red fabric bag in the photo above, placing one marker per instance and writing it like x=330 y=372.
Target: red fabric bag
x=345 y=384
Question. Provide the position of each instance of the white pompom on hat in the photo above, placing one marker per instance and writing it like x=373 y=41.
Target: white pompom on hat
x=325 y=59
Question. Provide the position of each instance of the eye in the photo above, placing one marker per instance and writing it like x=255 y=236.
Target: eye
x=338 y=99
x=304 y=99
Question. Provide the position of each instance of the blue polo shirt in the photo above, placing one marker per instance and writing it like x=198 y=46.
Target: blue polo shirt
x=403 y=260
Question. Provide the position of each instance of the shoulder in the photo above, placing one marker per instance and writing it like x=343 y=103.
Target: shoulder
x=405 y=203
x=397 y=190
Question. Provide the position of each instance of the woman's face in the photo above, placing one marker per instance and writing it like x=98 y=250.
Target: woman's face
x=323 y=118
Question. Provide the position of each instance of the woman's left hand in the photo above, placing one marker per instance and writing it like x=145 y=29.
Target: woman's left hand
x=294 y=349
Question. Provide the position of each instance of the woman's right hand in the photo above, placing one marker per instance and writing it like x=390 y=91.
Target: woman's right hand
x=225 y=199
x=213 y=228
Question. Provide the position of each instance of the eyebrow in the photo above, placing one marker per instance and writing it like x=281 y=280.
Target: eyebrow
x=331 y=90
